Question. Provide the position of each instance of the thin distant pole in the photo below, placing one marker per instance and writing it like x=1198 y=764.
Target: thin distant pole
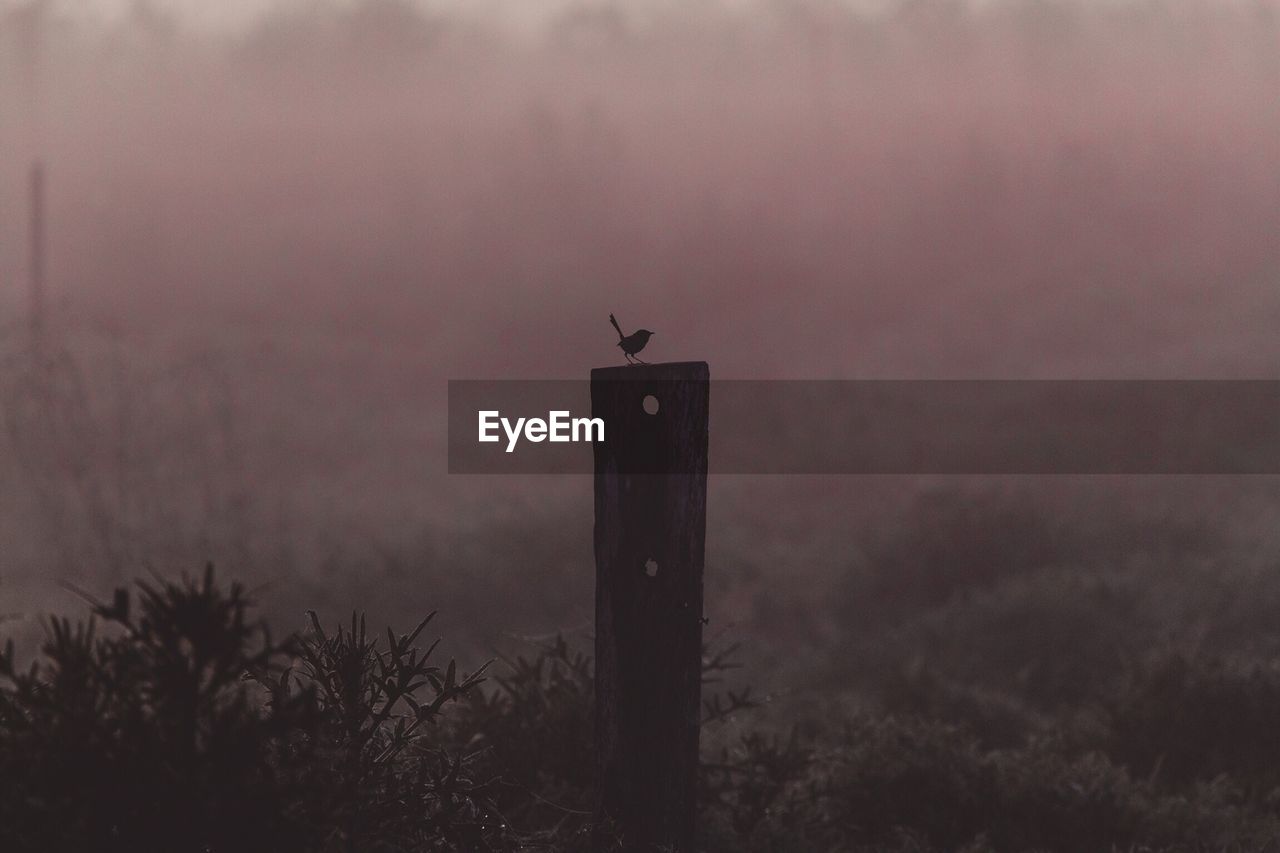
x=36 y=261
x=32 y=21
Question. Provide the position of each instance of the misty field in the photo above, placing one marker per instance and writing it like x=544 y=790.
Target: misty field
x=1016 y=663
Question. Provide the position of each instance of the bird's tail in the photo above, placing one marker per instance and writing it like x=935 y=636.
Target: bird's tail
x=616 y=326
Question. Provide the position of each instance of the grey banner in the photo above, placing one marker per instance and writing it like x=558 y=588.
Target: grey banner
x=912 y=427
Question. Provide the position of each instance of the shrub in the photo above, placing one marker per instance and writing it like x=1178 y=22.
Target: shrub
x=184 y=726
x=532 y=732
x=891 y=783
x=1181 y=721
x=173 y=722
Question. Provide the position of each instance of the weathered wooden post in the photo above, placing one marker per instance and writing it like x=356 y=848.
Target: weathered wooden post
x=650 y=530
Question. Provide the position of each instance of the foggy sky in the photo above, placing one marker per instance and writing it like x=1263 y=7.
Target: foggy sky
x=270 y=247
x=1043 y=191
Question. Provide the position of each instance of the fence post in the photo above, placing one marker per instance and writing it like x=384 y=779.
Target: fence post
x=650 y=531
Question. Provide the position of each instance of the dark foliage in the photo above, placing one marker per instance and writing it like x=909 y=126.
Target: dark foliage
x=889 y=783
x=533 y=731
x=171 y=721
x=151 y=738
x=184 y=726
x=1181 y=721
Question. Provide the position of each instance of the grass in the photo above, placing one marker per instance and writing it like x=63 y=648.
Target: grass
x=170 y=718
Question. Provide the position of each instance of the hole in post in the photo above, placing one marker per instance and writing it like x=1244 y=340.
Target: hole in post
x=651 y=567
x=651 y=404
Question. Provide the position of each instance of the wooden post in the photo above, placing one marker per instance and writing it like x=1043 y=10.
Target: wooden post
x=36 y=261
x=650 y=530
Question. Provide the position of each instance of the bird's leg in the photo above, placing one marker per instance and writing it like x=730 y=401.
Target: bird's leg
x=639 y=360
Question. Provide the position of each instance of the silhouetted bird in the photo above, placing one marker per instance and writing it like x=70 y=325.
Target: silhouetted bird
x=632 y=343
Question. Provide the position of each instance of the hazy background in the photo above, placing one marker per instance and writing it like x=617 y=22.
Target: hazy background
x=276 y=230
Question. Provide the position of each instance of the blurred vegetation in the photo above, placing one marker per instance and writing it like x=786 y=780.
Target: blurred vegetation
x=169 y=719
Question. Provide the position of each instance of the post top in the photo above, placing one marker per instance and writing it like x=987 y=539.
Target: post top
x=686 y=371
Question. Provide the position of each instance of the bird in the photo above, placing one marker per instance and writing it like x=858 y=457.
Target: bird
x=632 y=343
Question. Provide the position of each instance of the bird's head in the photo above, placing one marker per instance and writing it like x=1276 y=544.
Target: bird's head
x=644 y=333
